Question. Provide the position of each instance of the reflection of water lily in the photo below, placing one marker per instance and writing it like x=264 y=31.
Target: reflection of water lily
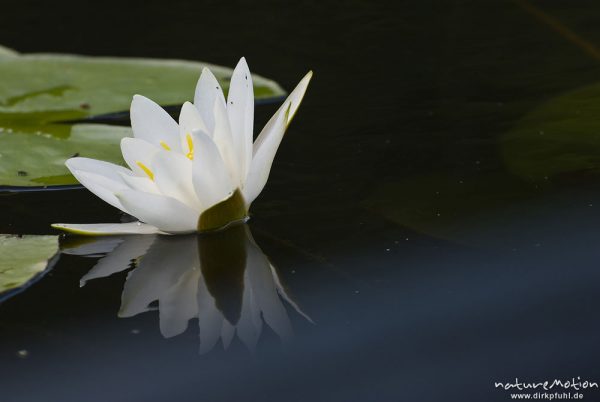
x=200 y=174
x=223 y=279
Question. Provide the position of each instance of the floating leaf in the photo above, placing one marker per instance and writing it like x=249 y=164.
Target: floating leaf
x=471 y=210
x=562 y=136
x=35 y=156
x=76 y=86
x=24 y=257
x=6 y=52
x=41 y=93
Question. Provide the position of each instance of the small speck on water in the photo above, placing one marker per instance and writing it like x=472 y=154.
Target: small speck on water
x=85 y=106
x=356 y=291
x=22 y=173
x=542 y=132
x=135 y=331
x=387 y=249
x=590 y=205
x=23 y=353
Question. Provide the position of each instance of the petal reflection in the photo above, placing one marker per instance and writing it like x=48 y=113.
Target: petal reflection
x=223 y=279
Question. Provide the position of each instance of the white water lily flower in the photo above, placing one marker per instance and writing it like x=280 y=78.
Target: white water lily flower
x=198 y=175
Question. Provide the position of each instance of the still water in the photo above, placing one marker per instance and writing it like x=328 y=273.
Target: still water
x=431 y=224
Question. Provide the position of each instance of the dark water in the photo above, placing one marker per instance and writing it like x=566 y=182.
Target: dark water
x=434 y=209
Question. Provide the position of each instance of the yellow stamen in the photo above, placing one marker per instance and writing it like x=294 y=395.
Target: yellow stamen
x=146 y=170
x=190 y=144
x=165 y=146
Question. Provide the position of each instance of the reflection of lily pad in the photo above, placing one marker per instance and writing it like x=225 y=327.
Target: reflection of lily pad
x=35 y=156
x=24 y=257
x=560 y=136
x=78 y=86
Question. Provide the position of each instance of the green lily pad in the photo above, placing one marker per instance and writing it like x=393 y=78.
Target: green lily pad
x=6 y=52
x=35 y=156
x=471 y=211
x=560 y=137
x=42 y=95
x=75 y=87
x=24 y=257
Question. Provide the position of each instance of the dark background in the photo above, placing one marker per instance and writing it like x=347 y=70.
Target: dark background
x=420 y=290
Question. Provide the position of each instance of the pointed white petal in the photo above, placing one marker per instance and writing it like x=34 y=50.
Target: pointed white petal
x=190 y=120
x=110 y=170
x=138 y=154
x=166 y=213
x=292 y=102
x=223 y=139
x=152 y=123
x=264 y=155
x=210 y=177
x=295 y=98
x=208 y=91
x=106 y=229
x=102 y=186
x=173 y=177
x=140 y=183
x=240 y=109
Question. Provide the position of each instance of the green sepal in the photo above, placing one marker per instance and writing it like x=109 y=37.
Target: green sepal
x=233 y=209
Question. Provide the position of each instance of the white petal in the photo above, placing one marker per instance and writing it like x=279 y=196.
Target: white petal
x=152 y=123
x=140 y=183
x=102 y=186
x=240 y=109
x=223 y=139
x=208 y=91
x=173 y=177
x=106 y=229
x=268 y=141
x=294 y=99
x=107 y=169
x=166 y=213
x=136 y=151
x=190 y=120
x=210 y=177
x=101 y=178
x=263 y=156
